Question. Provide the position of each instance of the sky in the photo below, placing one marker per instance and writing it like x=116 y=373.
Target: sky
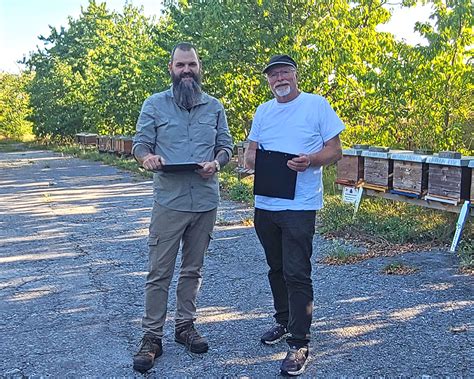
x=22 y=21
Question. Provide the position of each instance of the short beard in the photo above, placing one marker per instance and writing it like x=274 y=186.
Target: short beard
x=187 y=93
x=283 y=91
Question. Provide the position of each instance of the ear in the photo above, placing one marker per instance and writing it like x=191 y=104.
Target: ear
x=170 y=66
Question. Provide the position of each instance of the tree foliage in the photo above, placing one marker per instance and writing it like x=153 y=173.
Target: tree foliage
x=14 y=105
x=94 y=74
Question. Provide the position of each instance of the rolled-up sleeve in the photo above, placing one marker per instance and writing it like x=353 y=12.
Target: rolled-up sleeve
x=145 y=131
x=223 y=138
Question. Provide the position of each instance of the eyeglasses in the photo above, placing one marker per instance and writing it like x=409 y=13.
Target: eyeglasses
x=285 y=73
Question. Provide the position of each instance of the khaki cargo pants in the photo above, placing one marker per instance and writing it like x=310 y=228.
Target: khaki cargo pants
x=169 y=228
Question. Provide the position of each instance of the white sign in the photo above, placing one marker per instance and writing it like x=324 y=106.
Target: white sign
x=350 y=194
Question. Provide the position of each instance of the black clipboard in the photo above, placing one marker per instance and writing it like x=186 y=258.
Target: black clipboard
x=273 y=178
x=185 y=166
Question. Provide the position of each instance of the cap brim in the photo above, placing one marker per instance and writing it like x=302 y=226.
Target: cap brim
x=276 y=63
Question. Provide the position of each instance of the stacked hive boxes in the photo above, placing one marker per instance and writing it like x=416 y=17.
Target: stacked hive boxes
x=240 y=169
x=350 y=168
x=378 y=168
x=449 y=178
x=86 y=138
x=410 y=174
x=125 y=145
x=445 y=177
x=120 y=145
x=103 y=144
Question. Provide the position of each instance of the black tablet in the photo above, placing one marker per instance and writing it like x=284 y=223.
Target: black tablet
x=185 y=166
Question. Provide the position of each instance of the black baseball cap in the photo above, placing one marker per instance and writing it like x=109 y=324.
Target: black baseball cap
x=280 y=59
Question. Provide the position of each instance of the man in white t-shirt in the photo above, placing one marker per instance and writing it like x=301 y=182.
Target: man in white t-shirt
x=305 y=125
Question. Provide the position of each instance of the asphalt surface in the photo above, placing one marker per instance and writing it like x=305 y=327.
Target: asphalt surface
x=73 y=259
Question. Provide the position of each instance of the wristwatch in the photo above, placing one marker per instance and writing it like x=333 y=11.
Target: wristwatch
x=218 y=165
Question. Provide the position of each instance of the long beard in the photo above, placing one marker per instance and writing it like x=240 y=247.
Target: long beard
x=187 y=93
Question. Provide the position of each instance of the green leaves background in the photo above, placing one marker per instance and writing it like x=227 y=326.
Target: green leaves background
x=93 y=74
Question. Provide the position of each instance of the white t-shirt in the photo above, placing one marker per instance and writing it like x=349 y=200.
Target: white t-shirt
x=302 y=125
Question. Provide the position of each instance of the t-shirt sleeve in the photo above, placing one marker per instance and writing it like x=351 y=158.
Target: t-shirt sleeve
x=330 y=124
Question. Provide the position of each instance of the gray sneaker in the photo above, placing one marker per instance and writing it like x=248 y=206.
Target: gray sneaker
x=295 y=361
x=274 y=335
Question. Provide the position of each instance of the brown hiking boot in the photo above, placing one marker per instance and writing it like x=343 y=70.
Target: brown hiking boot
x=189 y=337
x=150 y=348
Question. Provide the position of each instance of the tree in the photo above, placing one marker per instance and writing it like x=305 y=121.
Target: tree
x=334 y=42
x=94 y=74
x=14 y=105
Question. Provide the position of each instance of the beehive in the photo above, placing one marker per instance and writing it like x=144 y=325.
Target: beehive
x=350 y=168
x=114 y=144
x=86 y=138
x=410 y=174
x=125 y=145
x=449 y=179
x=241 y=148
x=241 y=170
x=378 y=168
x=103 y=143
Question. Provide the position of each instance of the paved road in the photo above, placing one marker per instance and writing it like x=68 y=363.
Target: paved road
x=73 y=260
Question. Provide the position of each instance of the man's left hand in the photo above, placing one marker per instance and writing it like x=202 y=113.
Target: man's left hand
x=208 y=169
x=300 y=163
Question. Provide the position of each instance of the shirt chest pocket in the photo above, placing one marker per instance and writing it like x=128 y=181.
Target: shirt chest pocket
x=168 y=131
x=206 y=128
x=209 y=120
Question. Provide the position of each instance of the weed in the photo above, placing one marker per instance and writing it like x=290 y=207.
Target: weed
x=339 y=253
x=466 y=256
x=398 y=268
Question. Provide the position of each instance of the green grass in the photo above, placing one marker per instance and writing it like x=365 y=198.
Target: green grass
x=234 y=187
x=339 y=253
x=395 y=222
x=466 y=255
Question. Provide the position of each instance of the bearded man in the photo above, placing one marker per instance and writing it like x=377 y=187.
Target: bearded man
x=182 y=124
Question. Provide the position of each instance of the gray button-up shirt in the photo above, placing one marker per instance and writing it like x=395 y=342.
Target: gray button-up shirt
x=179 y=135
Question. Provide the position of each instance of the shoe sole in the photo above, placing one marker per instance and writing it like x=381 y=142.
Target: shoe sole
x=294 y=373
x=141 y=369
x=196 y=351
x=284 y=336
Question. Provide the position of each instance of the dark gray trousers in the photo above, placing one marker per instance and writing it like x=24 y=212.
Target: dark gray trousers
x=287 y=238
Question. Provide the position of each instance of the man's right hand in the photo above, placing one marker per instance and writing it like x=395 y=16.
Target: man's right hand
x=153 y=162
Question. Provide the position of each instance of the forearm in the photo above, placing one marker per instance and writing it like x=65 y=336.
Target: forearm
x=222 y=157
x=250 y=154
x=141 y=152
x=326 y=156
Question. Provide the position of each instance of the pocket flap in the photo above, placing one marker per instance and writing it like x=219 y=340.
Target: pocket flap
x=210 y=119
x=153 y=240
